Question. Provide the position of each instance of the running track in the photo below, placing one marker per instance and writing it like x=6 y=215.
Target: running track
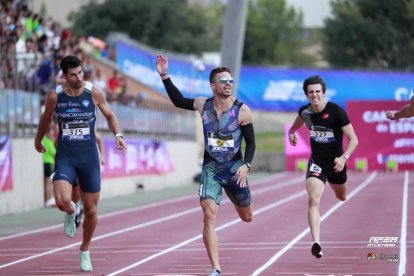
x=163 y=238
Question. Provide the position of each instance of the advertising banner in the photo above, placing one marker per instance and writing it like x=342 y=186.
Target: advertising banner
x=381 y=140
x=267 y=88
x=6 y=179
x=142 y=157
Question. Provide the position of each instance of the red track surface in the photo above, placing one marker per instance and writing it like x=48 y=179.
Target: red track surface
x=164 y=238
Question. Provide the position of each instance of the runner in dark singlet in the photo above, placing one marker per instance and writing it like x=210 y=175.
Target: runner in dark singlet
x=226 y=121
x=75 y=103
x=327 y=123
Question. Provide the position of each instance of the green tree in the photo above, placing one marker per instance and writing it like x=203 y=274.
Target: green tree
x=274 y=35
x=370 y=34
x=174 y=26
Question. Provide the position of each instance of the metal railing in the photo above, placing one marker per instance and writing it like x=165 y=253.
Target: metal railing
x=22 y=98
x=19 y=113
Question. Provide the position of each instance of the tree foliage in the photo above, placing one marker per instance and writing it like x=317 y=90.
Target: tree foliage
x=370 y=34
x=171 y=25
x=274 y=35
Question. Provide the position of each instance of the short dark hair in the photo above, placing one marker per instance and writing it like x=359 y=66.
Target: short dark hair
x=216 y=71
x=314 y=80
x=69 y=62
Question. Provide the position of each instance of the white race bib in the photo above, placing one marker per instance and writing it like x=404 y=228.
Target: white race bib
x=76 y=131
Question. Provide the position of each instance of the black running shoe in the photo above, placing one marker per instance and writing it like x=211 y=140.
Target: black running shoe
x=316 y=250
x=78 y=217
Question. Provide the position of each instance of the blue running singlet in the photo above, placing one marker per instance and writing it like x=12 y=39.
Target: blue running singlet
x=77 y=155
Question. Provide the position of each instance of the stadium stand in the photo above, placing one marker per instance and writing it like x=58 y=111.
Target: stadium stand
x=31 y=49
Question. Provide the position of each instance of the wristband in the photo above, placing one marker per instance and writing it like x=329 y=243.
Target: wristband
x=119 y=135
x=163 y=74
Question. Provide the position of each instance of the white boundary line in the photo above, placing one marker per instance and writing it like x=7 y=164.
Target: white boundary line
x=149 y=223
x=403 y=240
x=306 y=231
x=133 y=209
x=224 y=226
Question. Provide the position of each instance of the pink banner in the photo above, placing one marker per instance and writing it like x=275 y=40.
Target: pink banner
x=142 y=157
x=381 y=140
x=296 y=155
x=6 y=179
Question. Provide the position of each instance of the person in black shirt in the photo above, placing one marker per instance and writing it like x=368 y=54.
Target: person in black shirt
x=327 y=123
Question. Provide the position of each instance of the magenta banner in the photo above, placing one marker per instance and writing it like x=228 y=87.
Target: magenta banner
x=299 y=153
x=6 y=179
x=381 y=140
x=142 y=157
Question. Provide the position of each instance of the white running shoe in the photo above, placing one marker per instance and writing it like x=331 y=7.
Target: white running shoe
x=85 y=261
x=69 y=222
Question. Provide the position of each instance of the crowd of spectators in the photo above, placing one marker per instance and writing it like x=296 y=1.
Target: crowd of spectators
x=33 y=45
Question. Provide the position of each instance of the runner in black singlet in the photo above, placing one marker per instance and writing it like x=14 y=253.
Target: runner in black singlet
x=327 y=123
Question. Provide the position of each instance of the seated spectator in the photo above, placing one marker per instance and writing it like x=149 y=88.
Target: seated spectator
x=114 y=86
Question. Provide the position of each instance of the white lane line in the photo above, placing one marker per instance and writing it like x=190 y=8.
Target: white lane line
x=110 y=234
x=40 y=255
x=306 y=231
x=121 y=231
x=224 y=226
x=403 y=238
x=114 y=213
x=139 y=208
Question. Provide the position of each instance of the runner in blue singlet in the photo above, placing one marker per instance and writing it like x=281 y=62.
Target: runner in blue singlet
x=75 y=103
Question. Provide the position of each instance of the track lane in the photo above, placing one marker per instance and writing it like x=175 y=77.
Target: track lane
x=244 y=246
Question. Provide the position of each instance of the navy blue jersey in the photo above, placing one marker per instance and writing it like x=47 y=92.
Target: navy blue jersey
x=77 y=154
x=76 y=115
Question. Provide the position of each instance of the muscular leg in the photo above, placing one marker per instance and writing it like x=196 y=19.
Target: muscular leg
x=245 y=213
x=210 y=239
x=76 y=193
x=340 y=191
x=315 y=188
x=90 y=206
x=63 y=192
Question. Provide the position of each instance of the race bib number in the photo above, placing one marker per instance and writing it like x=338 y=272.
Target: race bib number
x=322 y=136
x=75 y=131
x=220 y=143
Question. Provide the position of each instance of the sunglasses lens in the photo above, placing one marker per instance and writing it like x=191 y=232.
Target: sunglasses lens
x=226 y=80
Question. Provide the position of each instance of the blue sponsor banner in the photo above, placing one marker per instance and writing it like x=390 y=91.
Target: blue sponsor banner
x=281 y=89
x=140 y=64
x=270 y=89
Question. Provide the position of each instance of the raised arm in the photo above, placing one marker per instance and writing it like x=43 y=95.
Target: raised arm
x=175 y=95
